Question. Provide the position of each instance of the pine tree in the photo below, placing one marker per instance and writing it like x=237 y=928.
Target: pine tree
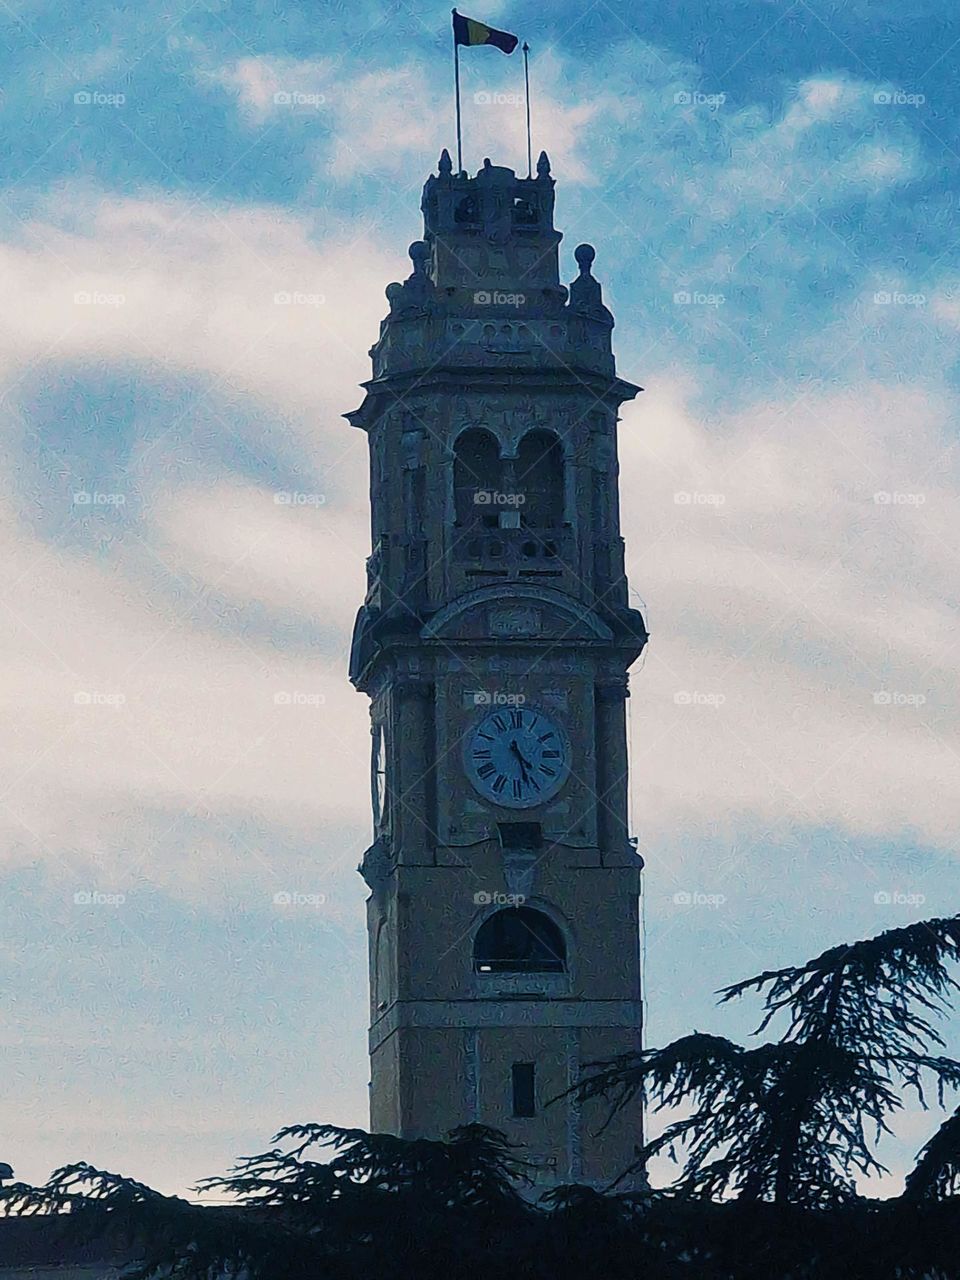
x=794 y=1121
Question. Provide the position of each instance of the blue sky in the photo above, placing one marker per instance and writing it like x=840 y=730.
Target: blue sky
x=771 y=188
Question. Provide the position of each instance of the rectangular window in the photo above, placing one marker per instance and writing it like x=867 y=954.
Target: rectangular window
x=520 y=835
x=524 y=1100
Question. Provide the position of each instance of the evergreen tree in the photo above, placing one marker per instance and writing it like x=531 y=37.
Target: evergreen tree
x=793 y=1121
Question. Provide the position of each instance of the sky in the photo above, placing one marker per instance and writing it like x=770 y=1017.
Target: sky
x=201 y=206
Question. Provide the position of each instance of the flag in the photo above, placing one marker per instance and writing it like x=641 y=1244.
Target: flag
x=468 y=31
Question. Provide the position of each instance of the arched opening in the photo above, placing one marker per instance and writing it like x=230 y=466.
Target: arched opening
x=524 y=213
x=539 y=471
x=519 y=940
x=476 y=479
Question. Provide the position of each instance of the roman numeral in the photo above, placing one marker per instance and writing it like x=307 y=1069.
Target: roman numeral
x=500 y=783
x=551 y=773
x=516 y=718
x=517 y=789
x=500 y=723
x=545 y=737
x=551 y=755
x=481 y=753
x=485 y=771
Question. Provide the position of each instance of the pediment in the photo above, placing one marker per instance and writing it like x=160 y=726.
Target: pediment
x=517 y=612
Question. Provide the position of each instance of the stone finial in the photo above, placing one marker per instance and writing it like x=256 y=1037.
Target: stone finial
x=585 y=255
x=416 y=292
x=543 y=165
x=445 y=165
x=586 y=295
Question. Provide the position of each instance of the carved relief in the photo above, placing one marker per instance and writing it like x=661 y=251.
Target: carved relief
x=519 y=621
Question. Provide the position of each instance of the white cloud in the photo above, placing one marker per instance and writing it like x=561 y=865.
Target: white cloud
x=393 y=123
x=285 y=549
x=779 y=581
x=184 y=686
x=269 y=86
x=244 y=295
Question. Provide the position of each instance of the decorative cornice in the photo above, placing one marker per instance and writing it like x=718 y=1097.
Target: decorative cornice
x=411 y=687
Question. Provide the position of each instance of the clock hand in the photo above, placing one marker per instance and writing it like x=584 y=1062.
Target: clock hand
x=525 y=764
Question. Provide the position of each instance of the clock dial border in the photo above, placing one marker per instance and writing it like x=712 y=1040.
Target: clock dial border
x=508 y=800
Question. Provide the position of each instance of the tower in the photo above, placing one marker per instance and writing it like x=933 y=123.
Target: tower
x=494 y=643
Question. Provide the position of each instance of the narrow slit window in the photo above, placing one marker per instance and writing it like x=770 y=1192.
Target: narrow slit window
x=524 y=1099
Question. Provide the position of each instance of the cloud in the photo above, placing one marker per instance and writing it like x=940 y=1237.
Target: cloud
x=245 y=296
x=283 y=550
x=202 y=660
x=267 y=87
x=391 y=122
x=798 y=567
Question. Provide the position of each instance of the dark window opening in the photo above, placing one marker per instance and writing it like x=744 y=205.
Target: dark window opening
x=520 y=835
x=519 y=940
x=466 y=212
x=539 y=472
x=524 y=1089
x=524 y=213
x=476 y=480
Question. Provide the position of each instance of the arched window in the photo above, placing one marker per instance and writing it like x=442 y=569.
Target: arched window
x=524 y=213
x=519 y=940
x=476 y=479
x=539 y=477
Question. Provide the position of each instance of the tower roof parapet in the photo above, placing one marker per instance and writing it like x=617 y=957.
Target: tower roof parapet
x=485 y=288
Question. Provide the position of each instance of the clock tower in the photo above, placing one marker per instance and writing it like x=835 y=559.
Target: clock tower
x=494 y=644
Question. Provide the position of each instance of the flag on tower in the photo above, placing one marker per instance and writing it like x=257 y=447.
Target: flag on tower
x=467 y=31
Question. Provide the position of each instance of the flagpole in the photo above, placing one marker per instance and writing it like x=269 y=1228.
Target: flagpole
x=456 y=81
x=526 y=81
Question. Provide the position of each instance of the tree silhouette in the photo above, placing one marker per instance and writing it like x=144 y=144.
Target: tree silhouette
x=937 y=1171
x=791 y=1121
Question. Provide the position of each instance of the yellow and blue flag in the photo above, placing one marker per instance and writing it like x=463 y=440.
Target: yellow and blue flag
x=468 y=31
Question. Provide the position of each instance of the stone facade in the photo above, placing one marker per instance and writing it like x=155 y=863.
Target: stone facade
x=493 y=644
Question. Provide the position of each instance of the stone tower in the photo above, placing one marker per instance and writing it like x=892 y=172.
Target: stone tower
x=494 y=643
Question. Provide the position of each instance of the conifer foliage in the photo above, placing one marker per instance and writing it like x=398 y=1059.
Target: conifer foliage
x=791 y=1120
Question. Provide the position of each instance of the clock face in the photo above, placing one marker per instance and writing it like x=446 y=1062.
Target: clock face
x=517 y=757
